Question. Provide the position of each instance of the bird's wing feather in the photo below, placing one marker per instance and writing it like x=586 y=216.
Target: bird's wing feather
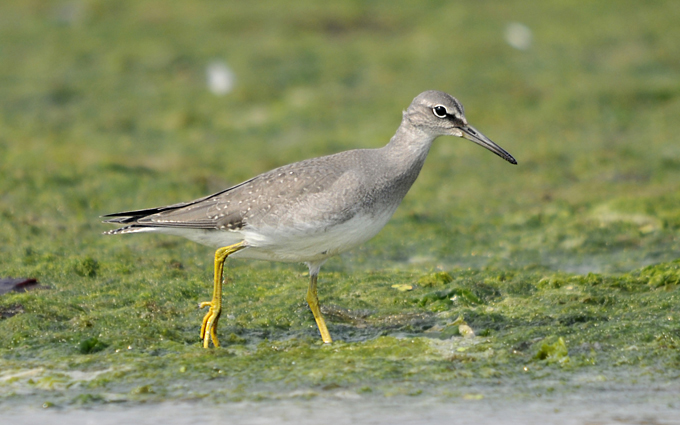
x=135 y=215
x=273 y=193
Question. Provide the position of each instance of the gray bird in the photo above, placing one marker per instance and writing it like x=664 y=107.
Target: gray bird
x=311 y=210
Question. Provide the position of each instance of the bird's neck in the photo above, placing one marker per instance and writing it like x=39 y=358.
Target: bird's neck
x=406 y=153
x=409 y=146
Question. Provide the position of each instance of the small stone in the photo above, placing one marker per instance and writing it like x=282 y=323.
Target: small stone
x=466 y=331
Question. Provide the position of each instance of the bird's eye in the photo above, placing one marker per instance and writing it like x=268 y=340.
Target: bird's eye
x=439 y=111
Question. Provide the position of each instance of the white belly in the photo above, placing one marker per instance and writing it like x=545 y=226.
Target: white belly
x=305 y=243
x=313 y=244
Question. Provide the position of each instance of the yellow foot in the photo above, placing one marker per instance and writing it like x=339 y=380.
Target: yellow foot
x=209 y=327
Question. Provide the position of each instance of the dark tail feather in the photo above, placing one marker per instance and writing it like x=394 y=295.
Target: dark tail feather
x=131 y=216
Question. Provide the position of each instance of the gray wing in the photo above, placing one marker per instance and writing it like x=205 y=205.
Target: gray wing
x=139 y=216
x=273 y=197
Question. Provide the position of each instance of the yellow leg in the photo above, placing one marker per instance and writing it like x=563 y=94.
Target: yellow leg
x=313 y=301
x=209 y=327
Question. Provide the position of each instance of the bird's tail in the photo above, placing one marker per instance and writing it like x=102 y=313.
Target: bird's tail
x=133 y=228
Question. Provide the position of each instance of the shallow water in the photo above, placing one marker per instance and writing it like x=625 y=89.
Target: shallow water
x=636 y=406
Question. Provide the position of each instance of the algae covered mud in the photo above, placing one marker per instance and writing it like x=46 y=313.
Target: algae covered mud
x=468 y=333
x=554 y=280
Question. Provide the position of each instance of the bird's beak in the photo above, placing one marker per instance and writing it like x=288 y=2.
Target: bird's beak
x=471 y=133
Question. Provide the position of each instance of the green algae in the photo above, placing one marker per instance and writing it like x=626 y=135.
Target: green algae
x=553 y=351
x=615 y=325
x=91 y=345
x=435 y=279
x=570 y=255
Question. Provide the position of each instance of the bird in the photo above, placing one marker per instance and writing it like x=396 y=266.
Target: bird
x=309 y=211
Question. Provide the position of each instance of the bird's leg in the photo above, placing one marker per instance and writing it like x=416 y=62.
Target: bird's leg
x=209 y=327
x=313 y=301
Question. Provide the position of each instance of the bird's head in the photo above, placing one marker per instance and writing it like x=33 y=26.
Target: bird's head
x=440 y=114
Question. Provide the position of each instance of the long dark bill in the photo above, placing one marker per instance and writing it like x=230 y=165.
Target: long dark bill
x=471 y=133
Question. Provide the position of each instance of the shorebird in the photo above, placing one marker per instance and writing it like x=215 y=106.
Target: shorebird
x=311 y=210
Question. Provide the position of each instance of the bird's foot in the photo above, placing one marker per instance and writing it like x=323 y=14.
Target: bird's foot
x=209 y=326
